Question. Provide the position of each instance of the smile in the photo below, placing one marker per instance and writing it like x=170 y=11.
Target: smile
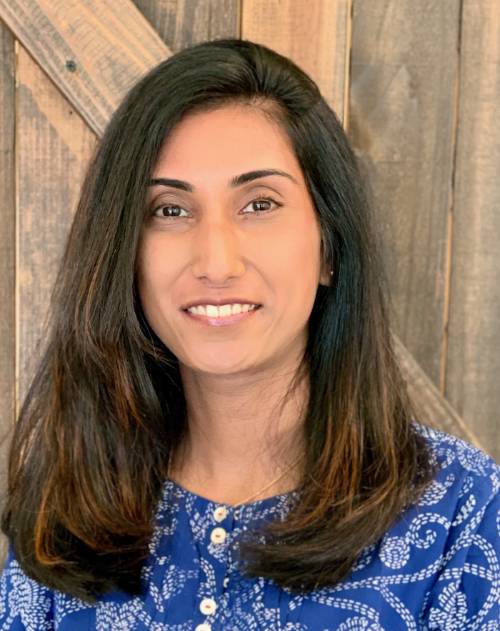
x=223 y=316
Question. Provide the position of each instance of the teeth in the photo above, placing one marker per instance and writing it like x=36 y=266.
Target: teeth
x=220 y=312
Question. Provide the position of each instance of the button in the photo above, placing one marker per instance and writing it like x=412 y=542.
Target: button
x=208 y=606
x=225 y=582
x=203 y=627
x=220 y=513
x=218 y=535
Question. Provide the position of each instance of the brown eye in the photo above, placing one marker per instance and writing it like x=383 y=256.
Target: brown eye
x=167 y=215
x=262 y=201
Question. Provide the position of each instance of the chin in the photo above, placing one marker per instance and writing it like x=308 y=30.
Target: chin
x=219 y=365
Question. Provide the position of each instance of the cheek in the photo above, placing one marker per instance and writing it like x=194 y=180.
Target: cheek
x=295 y=255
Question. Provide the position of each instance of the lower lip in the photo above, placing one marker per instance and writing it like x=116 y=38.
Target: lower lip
x=227 y=320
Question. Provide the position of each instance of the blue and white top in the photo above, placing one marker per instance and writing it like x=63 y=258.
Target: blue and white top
x=437 y=568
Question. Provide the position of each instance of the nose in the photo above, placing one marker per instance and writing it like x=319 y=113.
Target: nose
x=217 y=251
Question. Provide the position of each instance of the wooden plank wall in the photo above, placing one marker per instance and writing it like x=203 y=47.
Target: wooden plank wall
x=418 y=91
x=424 y=110
x=473 y=360
x=403 y=99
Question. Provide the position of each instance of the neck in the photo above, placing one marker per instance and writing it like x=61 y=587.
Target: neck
x=239 y=437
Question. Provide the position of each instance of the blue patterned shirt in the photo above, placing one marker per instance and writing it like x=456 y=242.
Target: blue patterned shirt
x=437 y=568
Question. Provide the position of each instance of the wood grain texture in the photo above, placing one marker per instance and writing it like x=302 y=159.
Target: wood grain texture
x=93 y=50
x=55 y=135
x=7 y=255
x=431 y=407
x=473 y=369
x=53 y=148
x=314 y=34
x=403 y=103
x=181 y=24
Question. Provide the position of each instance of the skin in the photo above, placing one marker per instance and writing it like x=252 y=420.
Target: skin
x=218 y=242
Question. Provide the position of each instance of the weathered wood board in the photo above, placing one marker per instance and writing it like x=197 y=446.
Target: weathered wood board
x=180 y=24
x=403 y=100
x=7 y=251
x=53 y=146
x=94 y=50
x=315 y=35
x=473 y=360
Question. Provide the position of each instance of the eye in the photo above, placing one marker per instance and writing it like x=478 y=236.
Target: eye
x=173 y=211
x=263 y=200
x=167 y=216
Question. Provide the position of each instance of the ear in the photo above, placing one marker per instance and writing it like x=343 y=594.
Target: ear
x=325 y=277
x=326 y=266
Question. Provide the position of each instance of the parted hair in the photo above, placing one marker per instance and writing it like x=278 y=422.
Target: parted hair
x=106 y=406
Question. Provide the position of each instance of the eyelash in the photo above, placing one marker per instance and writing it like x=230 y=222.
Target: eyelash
x=254 y=201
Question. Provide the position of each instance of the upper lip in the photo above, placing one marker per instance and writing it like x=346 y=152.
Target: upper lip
x=218 y=302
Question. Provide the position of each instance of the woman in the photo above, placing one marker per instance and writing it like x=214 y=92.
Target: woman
x=218 y=435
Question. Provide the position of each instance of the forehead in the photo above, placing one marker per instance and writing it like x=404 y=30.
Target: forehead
x=222 y=142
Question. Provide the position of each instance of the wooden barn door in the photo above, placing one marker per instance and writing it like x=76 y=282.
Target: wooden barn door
x=418 y=93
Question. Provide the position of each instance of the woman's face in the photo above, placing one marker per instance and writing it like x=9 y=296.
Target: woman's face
x=221 y=242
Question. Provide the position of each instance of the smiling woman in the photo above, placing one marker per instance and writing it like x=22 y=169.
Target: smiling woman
x=219 y=435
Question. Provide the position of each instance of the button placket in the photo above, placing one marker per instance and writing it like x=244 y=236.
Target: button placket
x=219 y=534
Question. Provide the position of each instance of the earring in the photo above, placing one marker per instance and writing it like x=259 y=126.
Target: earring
x=331 y=272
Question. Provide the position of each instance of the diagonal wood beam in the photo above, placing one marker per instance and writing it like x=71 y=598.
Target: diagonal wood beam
x=93 y=50
x=432 y=408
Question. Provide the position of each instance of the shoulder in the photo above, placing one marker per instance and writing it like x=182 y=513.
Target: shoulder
x=463 y=470
x=456 y=518
x=23 y=601
x=442 y=555
x=465 y=490
x=453 y=531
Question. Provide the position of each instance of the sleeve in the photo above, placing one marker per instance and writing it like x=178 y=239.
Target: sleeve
x=25 y=604
x=466 y=596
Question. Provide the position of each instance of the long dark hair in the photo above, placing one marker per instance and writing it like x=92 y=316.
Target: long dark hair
x=106 y=406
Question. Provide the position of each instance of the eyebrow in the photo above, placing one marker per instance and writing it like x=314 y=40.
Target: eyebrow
x=237 y=180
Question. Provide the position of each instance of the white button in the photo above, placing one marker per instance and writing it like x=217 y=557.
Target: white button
x=218 y=535
x=203 y=627
x=208 y=606
x=225 y=582
x=220 y=513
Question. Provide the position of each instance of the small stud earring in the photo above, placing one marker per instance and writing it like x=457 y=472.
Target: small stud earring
x=331 y=272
